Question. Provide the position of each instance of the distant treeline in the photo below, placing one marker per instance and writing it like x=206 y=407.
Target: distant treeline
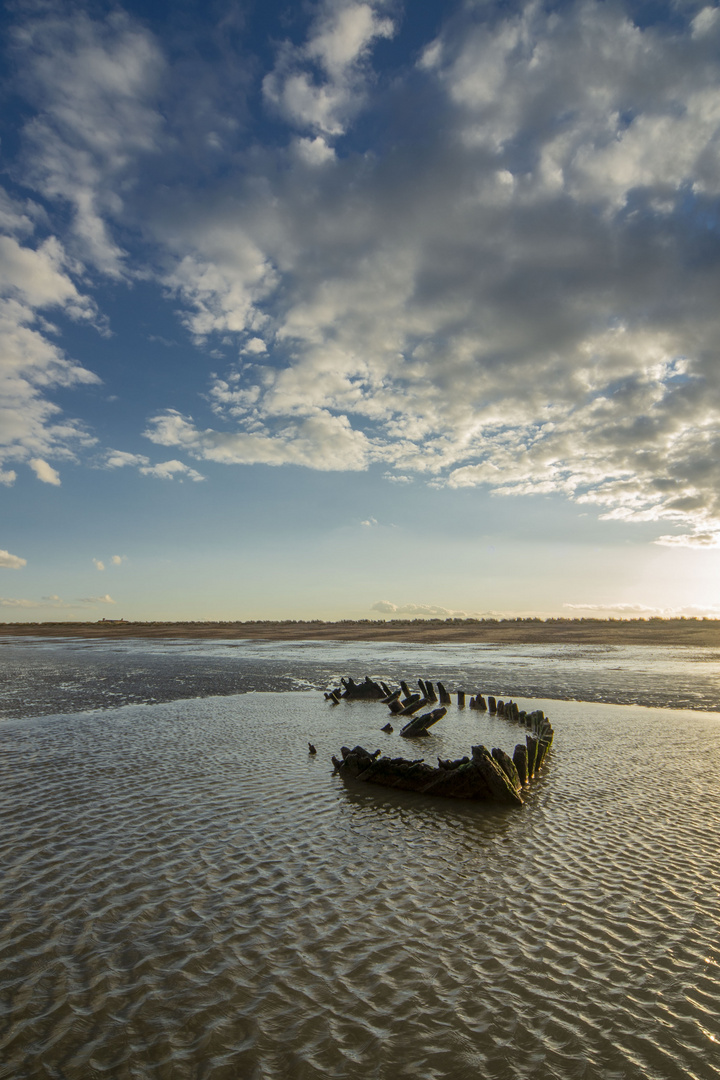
x=639 y=620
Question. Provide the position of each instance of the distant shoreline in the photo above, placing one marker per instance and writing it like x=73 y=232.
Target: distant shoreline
x=701 y=632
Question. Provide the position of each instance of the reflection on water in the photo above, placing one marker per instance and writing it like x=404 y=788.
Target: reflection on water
x=43 y=676
x=188 y=894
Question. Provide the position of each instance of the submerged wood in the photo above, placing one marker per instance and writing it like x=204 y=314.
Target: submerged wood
x=420 y=724
x=480 y=778
x=364 y=691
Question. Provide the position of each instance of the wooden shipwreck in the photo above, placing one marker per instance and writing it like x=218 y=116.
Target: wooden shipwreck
x=488 y=775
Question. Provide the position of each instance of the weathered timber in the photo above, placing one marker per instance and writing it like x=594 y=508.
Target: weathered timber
x=507 y=765
x=389 y=728
x=500 y=786
x=393 y=696
x=461 y=699
x=415 y=703
x=405 y=689
x=532 y=745
x=420 y=724
x=492 y=703
x=480 y=778
x=480 y=703
x=311 y=749
x=430 y=691
x=520 y=762
x=443 y=695
x=386 y=689
x=364 y=691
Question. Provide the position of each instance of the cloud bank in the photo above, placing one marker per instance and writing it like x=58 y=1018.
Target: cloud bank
x=515 y=288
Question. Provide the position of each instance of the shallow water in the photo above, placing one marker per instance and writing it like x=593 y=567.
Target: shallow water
x=188 y=894
x=42 y=676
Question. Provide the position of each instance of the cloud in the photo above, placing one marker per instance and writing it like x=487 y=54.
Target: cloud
x=118 y=560
x=321 y=441
x=321 y=84
x=106 y=599
x=118 y=459
x=422 y=611
x=169 y=470
x=645 y=611
x=99 y=564
x=690 y=540
x=32 y=366
x=44 y=472
x=517 y=291
x=91 y=82
x=13 y=562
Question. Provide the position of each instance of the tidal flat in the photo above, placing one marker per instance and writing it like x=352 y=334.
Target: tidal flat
x=188 y=893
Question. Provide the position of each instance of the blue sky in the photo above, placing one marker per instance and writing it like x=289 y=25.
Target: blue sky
x=356 y=309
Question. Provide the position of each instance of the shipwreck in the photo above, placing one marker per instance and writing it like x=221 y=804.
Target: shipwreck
x=487 y=775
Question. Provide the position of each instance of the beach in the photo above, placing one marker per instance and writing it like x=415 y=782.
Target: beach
x=189 y=893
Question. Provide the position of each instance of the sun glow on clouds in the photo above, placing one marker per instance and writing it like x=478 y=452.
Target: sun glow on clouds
x=516 y=300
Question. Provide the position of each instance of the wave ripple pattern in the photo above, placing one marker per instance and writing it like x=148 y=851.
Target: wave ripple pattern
x=188 y=894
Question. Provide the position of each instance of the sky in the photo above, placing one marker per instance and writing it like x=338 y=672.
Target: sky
x=354 y=309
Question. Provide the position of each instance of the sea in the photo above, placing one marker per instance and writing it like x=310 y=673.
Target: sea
x=188 y=893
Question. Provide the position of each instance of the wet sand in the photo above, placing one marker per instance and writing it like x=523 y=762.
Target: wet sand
x=668 y=632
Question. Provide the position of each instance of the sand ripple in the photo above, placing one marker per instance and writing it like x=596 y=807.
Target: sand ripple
x=186 y=894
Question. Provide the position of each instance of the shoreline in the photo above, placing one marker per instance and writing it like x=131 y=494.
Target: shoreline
x=667 y=632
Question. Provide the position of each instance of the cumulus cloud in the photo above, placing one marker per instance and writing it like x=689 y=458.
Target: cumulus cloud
x=33 y=279
x=522 y=308
x=320 y=85
x=106 y=599
x=118 y=560
x=44 y=471
x=520 y=293
x=164 y=470
x=118 y=459
x=169 y=470
x=12 y=562
x=99 y=564
x=91 y=82
x=321 y=441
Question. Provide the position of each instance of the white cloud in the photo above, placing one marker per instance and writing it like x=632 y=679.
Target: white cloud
x=321 y=441
x=321 y=85
x=99 y=564
x=255 y=346
x=31 y=364
x=118 y=560
x=644 y=611
x=92 y=82
x=691 y=540
x=13 y=562
x=422 y=611
x=44 y=472
x=106 y=599
x=118 y=459
x=169 y=470
x=521 y=294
